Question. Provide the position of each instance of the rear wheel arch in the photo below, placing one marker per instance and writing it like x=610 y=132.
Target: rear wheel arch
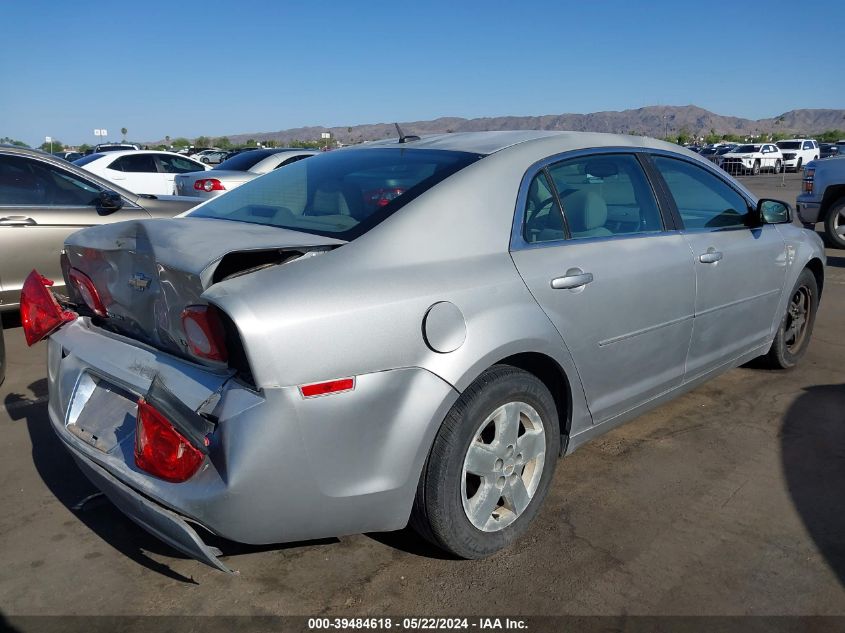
x=553 y=376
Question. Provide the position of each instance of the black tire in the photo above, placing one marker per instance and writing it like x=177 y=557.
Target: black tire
x=756 y=169
x=787 y=349
x=438 y=514
x=204 y=160
x=777 y=166
x=798 y=165
x=835 y=216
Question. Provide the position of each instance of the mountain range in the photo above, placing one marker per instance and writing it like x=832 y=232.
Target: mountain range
x=655 y=121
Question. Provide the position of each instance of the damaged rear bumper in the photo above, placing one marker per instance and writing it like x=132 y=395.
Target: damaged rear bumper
x=163 y=523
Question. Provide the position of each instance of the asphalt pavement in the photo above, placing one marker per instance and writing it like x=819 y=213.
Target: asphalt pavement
x=727 y=501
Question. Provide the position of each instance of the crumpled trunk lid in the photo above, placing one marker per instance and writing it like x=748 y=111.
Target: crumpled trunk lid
x=147 y=271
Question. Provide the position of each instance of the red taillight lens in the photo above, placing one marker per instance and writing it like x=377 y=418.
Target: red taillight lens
x=809 y=178
x=41 y=314
x=326 y=388
x=204 y=331
x=209 y=184
x=87 y=291
x=160 y=449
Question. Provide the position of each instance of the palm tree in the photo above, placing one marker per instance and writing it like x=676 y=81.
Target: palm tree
x=123 y=131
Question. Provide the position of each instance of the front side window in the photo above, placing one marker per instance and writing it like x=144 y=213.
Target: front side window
x=704 y=200
x=605 y=195
x=177 y=164
x=135 y=163
x=340 y=194
x=808 y=145
x=26 y=182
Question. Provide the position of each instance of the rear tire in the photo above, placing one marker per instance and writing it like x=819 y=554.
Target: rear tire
x=834 y=224
x=777 y=166
x=490 y=466
x=796 y=326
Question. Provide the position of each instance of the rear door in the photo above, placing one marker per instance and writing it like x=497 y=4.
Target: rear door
x=40 y=205
x=138 y=173
x=612 y=274
x=740 y=270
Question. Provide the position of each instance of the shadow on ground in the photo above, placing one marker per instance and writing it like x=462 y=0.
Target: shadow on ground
x=813 y=454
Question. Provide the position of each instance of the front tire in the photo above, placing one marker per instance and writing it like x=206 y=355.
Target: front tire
x=798 y=165
x=777 y=166
x=796 y=327
x=756 y=169
x=490 y=465
x=834 y=224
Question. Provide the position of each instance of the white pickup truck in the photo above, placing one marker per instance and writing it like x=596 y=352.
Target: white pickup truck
x=822 y=198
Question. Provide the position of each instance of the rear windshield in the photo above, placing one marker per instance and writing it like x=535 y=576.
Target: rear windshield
x=789 y=144
x=744 y=149
x=244 y=161
x=340 y=194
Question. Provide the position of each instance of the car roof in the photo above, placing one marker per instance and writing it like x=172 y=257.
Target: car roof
x=545 y=141
x=124 y=152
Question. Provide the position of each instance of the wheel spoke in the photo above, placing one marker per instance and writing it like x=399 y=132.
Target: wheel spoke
x=515 y=495
x=507 y=424
x=480 y=460
x=531 y=445
x=840 y=230
x=483 y=503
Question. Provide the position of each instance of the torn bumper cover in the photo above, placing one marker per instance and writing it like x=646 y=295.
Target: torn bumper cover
x=163 y=523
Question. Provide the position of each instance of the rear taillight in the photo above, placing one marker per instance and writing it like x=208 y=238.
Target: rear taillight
x=809 y=178
x=160 y=449
x=85 y=287
x=209 y=184
x=204 y=331
x=41 y=314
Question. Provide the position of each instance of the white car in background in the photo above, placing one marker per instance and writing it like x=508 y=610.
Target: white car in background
x=237 y=170
x=141 y=171
x=753 y=158
x=797 y=152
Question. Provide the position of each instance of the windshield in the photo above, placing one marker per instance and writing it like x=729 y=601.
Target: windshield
x=340 y=194
x=789 y=144
x=244 y=161
x=743 y=149
x=87 y=159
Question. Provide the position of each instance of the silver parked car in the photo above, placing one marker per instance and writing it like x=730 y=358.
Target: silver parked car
x=236 y=170
x=410 y=331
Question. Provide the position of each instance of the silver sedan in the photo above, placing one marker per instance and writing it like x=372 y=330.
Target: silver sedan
x=409 y=331
x=235 y=171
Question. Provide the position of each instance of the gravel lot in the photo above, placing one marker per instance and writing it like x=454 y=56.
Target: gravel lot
x=727 y=501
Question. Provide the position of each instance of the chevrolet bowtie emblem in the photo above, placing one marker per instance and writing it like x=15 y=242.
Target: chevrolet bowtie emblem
x=139 y=282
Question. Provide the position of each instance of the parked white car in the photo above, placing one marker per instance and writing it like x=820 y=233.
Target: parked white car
x=753 y=158
x=143 y=171
x=797 y=152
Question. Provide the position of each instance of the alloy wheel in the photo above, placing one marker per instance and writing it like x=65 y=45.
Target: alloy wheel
x=503 y=466
x=797 y=316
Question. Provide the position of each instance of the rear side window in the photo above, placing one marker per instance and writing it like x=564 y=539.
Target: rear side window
x=543 y=217
x=177 y=164
x=136 y=163
x=704 y=200
x=605 y=195
x=338 y=194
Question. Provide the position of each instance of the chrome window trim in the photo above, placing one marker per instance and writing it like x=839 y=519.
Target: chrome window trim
x=517 y=240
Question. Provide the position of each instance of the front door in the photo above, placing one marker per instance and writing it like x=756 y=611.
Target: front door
x=618 y=286
x=740 y=271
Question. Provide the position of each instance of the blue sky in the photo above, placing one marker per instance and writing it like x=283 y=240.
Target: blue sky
x=184 y=68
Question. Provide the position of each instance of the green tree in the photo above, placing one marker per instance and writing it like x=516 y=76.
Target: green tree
x=271 y=143
x=55 y=146
x=7 y=140
x=222 y=142
x=167 y=140
x=250 y=142
x=84 y=147
x=123 y=131
x=161 y=148
x=202 y=141
x=181 y=141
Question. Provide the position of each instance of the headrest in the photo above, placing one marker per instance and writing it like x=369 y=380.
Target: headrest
x=584 y=210
x=601 y=168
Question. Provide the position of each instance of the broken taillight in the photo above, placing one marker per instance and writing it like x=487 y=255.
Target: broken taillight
x=41 y=314
x=160 y=449
x=85 y=287
x=204 y=331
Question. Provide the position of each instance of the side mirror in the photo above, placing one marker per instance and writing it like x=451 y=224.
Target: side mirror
x=774 y=211
x=109 y=201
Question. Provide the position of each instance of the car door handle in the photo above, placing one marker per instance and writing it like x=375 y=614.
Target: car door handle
x=572 y=280
x=710 y=257
x=17 y=220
